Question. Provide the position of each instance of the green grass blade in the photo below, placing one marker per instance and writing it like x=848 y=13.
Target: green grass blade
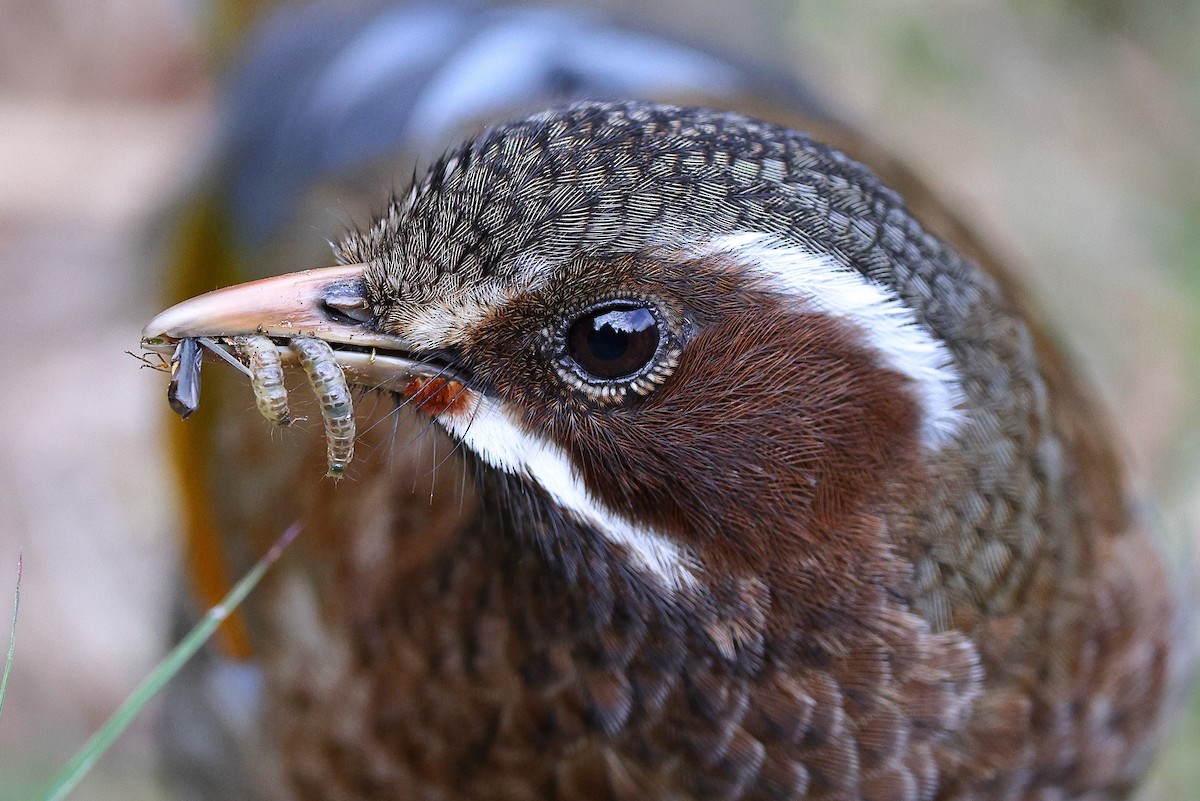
x=12 y=638
x=82 y=762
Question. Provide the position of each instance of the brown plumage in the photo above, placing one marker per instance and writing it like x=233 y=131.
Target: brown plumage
x=771 y=561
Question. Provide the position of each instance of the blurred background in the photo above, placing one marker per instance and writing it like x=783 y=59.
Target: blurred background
x=1068 y=133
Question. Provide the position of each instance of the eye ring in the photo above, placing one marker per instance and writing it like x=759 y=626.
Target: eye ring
x=616 y=347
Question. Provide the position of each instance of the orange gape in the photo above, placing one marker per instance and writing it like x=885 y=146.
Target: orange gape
x=435 y=396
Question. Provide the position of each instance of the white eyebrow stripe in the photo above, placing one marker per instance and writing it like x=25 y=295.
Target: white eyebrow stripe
x=892 y=328
x=499 y=441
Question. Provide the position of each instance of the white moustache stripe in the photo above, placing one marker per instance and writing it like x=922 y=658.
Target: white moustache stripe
x=500 y=442
x=891 y=327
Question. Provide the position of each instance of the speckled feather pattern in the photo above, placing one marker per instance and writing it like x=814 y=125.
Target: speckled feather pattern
x=1022 y=515
x=614 y=178
x=515 y=684
x=523 y=682
x=981 y=622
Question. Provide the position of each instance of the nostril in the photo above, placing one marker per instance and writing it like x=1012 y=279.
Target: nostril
x=347 y=309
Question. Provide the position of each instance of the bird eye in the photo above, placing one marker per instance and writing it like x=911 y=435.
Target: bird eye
x=614 y=341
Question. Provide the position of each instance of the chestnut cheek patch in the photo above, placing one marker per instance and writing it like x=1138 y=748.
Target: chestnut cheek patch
x=819 y=283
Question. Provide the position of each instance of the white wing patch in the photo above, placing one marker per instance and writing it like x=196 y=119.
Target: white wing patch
x=504 y=444
x=819 y=282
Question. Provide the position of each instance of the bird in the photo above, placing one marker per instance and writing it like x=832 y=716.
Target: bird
x=695 y=461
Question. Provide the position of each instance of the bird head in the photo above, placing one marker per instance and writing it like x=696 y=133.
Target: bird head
x=704 y=351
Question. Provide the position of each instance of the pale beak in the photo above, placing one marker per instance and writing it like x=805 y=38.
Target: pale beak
x=328 y=304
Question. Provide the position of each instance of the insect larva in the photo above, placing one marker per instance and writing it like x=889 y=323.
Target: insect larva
x=266 y=377
x=183 y=393
x=337 y=409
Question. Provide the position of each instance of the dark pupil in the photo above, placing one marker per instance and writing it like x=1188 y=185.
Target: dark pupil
x=614 y=342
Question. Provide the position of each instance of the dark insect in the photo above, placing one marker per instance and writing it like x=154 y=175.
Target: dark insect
x=183 y=393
